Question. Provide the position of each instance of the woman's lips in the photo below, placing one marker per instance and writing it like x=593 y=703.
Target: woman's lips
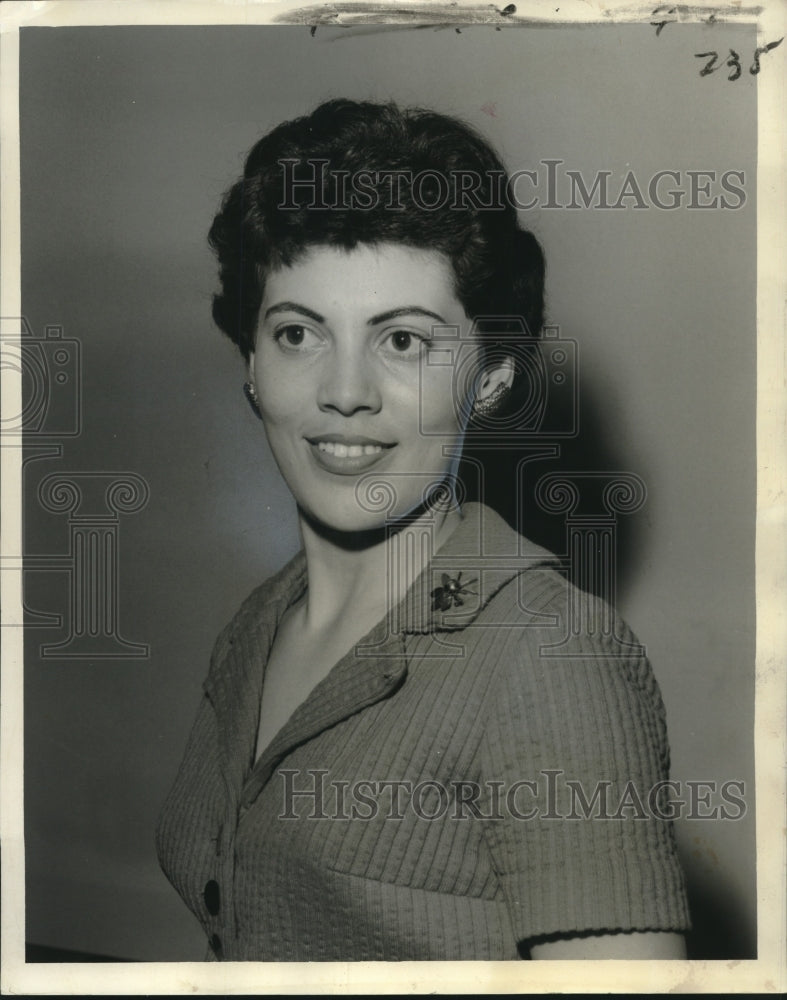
x=347 y=455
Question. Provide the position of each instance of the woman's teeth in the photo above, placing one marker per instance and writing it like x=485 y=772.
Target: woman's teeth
x=348 y=450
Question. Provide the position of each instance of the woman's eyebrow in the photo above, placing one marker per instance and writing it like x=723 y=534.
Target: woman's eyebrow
x=382 y=317
x=404 y=311
x=294 y=307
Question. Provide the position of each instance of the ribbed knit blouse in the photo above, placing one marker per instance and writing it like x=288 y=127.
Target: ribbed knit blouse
x=471 y=777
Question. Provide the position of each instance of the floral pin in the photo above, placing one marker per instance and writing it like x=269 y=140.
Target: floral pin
x=450 y=594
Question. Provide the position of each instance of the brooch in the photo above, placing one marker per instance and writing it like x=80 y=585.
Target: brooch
x=450 y=594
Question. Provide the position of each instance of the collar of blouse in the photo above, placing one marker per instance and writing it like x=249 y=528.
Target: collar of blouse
x=480 y=557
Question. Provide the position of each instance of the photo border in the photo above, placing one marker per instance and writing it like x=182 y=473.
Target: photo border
x=766 y=973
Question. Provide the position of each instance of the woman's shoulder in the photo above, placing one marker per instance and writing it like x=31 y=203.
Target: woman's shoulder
x=559 y=628
x=563 y=652
x=573 y=674
x=530 y=586
x=550 y=601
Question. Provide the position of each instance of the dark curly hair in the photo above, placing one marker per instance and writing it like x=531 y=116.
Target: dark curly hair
x=294 y=195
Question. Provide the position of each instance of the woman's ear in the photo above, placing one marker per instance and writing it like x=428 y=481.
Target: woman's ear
x=494 y=384
x=500 y=375
x=250 y=389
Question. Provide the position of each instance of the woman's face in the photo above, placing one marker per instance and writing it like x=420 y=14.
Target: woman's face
x=349 y=392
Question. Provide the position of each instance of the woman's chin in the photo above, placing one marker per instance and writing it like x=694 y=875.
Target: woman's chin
x=354 y=522
x=345 y=520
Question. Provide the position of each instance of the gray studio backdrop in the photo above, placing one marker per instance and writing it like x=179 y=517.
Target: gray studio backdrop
x=129 y=138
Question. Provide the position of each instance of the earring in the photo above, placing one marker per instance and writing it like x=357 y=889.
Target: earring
x=251 y=394
x=487 y=406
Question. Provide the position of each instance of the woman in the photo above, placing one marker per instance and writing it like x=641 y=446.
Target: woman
x=390 y=760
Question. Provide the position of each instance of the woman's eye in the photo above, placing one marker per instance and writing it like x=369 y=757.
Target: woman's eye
x=294 y=337
x=406 y=343
x=401 y=340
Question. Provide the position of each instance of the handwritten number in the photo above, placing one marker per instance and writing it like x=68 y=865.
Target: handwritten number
x=708 y=67
x=754 y=69
x=734 y=61
x=659 y=25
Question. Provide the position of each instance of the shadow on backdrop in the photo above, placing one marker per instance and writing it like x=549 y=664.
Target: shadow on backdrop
x=492 y=469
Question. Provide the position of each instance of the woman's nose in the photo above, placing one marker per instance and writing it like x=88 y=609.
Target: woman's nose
x=347 y=385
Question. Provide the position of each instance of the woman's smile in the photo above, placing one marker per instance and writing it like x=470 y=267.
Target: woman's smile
x=350 y=380
x=347 y=456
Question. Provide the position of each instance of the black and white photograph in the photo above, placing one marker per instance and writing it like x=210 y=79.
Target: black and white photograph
x=393 y=474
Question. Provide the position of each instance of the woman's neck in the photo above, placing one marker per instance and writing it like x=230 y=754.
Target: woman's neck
x=363 y=575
